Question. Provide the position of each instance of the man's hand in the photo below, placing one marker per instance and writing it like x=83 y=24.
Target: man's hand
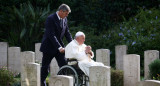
x=62 y=50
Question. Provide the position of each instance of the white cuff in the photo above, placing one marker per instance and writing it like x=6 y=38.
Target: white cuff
x=59 y=48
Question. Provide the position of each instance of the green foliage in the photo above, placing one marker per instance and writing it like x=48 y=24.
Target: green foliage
x=6 y=77
x=140 y=33
x=157 y=78
x=22 y=21
x=116 y=77
x=154 y=69
x=17 y=77
x=104 y=14
x=24 y=26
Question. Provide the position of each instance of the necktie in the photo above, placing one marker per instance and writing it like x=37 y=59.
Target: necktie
x=61 y=23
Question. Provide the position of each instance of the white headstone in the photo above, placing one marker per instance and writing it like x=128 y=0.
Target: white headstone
x=38 y=53
x=31 y=75
x=3 y=54
x=99 y=76
x=14 y=59
x=103 y=55
x=61 y=80
x=120 y=51
x=26 y=58
x=131 y=68
x=149 y=56
x=54 y=68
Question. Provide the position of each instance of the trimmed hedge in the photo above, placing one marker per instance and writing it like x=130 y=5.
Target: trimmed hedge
x=154 y=69
x=116 y=77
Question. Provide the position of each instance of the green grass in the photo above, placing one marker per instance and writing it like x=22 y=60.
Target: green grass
x=141 y=78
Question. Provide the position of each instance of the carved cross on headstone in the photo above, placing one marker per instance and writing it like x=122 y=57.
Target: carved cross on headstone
x=98 y=75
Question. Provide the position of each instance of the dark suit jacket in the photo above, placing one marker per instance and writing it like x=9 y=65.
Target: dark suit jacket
x=53 y=36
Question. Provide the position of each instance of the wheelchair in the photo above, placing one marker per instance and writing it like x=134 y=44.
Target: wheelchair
x=72 y=69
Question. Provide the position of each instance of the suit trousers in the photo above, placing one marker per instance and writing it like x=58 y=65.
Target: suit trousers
x=46 y=60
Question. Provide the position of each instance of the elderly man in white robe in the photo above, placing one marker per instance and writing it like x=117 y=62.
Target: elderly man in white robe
x=78 y=50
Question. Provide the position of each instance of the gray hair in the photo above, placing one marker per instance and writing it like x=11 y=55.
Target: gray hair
x=64 y=7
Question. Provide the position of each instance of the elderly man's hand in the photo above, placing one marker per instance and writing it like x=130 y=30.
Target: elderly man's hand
x=88 y=49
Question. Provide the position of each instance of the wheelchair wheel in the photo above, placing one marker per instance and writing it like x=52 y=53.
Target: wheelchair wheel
x=69 y=71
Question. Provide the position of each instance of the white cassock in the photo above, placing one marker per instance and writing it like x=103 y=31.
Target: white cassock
x=74 y=50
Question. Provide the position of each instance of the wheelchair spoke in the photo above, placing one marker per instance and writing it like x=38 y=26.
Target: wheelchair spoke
x=79 y=78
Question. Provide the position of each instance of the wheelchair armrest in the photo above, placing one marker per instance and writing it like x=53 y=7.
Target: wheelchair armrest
x=71 y=59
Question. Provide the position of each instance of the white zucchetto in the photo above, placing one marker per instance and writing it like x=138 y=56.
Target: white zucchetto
x=79 y=33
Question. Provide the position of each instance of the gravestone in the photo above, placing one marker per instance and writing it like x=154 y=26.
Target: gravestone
x=38 y=53
x=54 y=68
x=149 y=56
x=131 y=69
x=32 y=75
x=3 y=54
x=61 y=80
x=26 y=58
x=14 y=59
x=99 y=76
x=103 y=55
x=149 y=83
x=120 y=51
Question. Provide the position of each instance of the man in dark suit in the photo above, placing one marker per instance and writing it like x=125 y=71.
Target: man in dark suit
x=56 y=28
